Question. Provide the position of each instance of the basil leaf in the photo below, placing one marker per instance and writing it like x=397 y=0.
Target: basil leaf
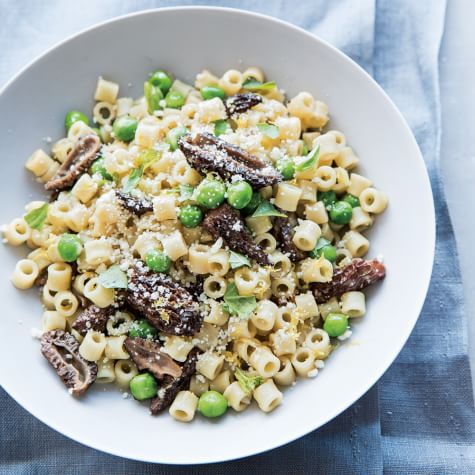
x=252 y=84
x=149 y=157
x=237 y=304
x=186 y=192
x=237 y=260
x=247 y=382
x=146 y=159
x=271 y=130
x=309 y=161
x=133 y=179
x=321 y=243
x=113 y=278
x=266 y=208
x=220 y=127
x=36 y=217
x=153 y=96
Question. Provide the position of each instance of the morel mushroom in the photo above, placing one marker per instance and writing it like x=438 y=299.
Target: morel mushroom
x=225 y=222
x=61 y=349
x=206 y=153
x=240 y=103
x=137 y=206
x=170 y=386
x=195 y=288
x=167 y=305
x=283 y=235
x=355 y=276
x=146 y=355
x=42 y=278
x=92 y=318
x=77 y=162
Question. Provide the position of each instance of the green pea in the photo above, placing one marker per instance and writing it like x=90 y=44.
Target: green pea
x=328 y=197
x=212 y=91
x=329 y=253
x=99 y=167
x=174 y=99
x=153 y=96
x=162 y=80
x=341 y=212
x=157 y=261
x=124 y=128
x=286 y=166
x=324 y=247
x=143 y=386
x=212 y=404
x=220 y=127
x=142 y=329
x=253 y=204
x=173 y=136
x=210 y=193
x=239 y=194
x=352 y=200
x=191 y=216
x=336 y=324
x=74 y=116
x=69 y=247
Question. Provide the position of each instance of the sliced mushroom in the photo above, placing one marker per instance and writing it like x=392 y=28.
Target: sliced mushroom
x=138 y=206
x=146 y=355
x=195 y=288
x=206 y=153
x=42 y=278
x=355 y=276
x=283 y=234
x=166 y=304
x=77 y=162
x=92 y=318
x=61 y=349
x=240 y=103
x=225 y=222
x=170 y=386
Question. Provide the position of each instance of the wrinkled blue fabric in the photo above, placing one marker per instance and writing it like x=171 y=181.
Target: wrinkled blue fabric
x=419 y=419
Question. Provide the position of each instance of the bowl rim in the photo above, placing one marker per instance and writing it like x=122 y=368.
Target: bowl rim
x=388 y=360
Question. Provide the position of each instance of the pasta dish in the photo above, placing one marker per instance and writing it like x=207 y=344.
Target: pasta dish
x=203 y=246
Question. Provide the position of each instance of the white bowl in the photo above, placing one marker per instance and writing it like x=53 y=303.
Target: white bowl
x=184 y=41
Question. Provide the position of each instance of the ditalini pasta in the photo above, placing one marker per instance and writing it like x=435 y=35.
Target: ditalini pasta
x=204 y=245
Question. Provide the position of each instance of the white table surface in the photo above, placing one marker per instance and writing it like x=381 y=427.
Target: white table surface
x=457 y=78
x=457 y=83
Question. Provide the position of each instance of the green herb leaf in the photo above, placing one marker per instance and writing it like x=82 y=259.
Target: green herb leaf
x=309 y=161
x=252 y=84
x=113 y=278
x=146 y=159
x=149 y=157
x=248 y=382
x=134 y=178
x=186 y=192
x=153 y=96
x=237 y=304
x=321 y=243
x=220 y=127
x=237 y=260
x=266 y=208
x=36 y=217
x=270 y=130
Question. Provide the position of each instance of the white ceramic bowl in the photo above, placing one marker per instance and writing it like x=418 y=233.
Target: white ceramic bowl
x=184 y=41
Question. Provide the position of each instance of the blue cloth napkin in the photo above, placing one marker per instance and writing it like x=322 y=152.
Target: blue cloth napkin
x=419 y=419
